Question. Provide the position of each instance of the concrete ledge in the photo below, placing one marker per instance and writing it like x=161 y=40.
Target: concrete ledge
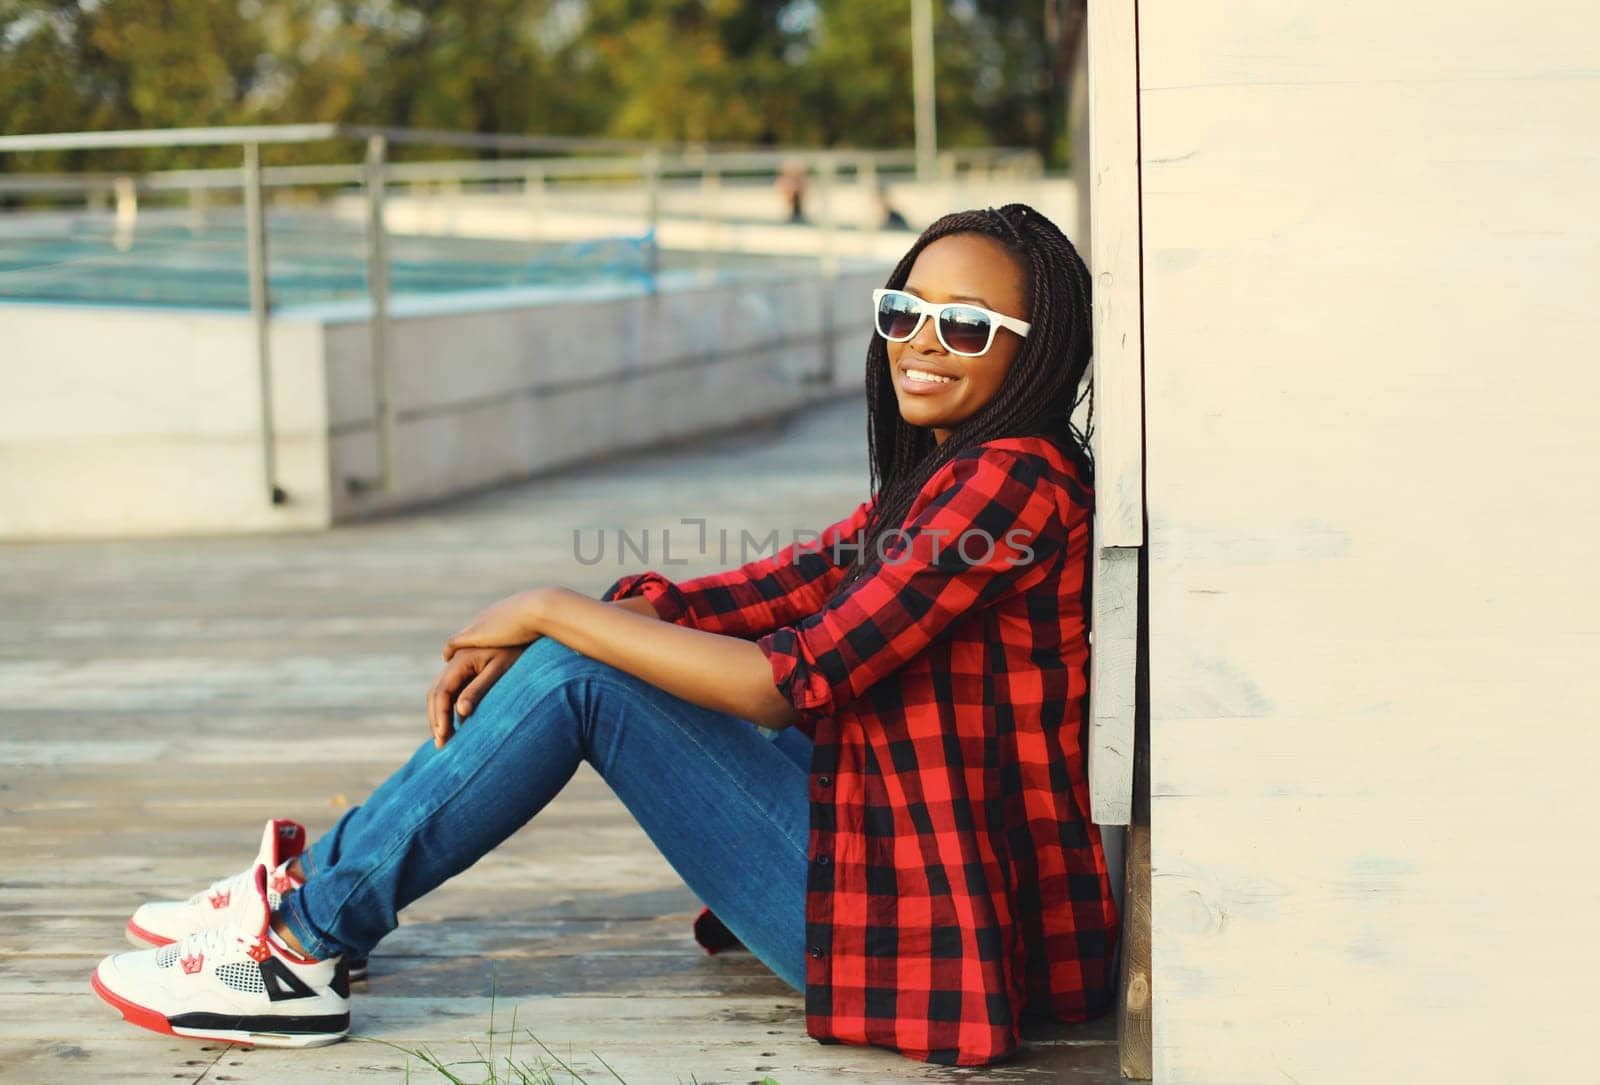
x=146 y=421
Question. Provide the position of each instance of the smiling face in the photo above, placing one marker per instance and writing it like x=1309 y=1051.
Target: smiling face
x=961 y=267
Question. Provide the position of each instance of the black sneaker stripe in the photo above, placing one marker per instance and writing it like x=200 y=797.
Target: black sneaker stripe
x=320 y=1024
x=281 y=983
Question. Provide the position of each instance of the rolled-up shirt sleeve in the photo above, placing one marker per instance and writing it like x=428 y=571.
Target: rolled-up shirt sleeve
x=668 y=599
x=992 y=527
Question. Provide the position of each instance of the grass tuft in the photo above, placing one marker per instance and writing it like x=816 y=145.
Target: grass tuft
x=506 y=1069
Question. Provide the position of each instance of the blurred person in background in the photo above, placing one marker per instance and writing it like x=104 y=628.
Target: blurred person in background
x=889 y=217
x=791 y=183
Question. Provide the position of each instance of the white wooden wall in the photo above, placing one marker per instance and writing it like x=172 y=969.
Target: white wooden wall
x=1371 y=271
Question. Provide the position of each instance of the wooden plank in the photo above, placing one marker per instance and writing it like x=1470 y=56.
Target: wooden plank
x=1135 y=1008
x=731 y=1039
x=1373 y=547
x=160 y=699
x=1135 y=1021
x=1115 y=263
x=627 y=1013
x=1111 y=685
x=51 y=934
x=1405 y=929
x=1114 y=260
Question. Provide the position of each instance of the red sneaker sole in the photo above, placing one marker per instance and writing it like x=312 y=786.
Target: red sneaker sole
x=149 y=938
x=262 y=1035
x=132 y=1012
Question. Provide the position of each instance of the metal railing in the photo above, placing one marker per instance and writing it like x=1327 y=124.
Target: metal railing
x=549 y=158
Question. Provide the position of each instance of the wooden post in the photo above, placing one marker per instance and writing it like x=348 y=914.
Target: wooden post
x=1135 y=1031
x=1119 y=684
x=1117 y=367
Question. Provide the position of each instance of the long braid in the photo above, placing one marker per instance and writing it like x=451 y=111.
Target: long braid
x=1044 y=387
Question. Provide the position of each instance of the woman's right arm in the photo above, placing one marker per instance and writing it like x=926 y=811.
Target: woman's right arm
x=470 y=673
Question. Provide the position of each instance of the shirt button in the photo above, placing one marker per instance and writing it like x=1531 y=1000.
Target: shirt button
x=824 y=780
x=816 y=951
x=823 y=860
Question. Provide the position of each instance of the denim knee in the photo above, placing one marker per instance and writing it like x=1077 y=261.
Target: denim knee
x=551 y=665
x=552 y=662
x=549 y=648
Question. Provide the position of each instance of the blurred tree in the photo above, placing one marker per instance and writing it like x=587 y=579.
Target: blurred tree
x=690 y=70
x=1008 y=91
x=822 y=72
x=135 y=63
x=857 y=75
x=39 y=88
x=798 y=72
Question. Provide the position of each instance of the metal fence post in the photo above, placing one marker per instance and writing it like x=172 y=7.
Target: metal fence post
x=922 y=87
x=127 y=192
x=712 y=235
x=867 y=187
x=651 y=167
x=377 y=240
x=255 y=234
x=827 y=167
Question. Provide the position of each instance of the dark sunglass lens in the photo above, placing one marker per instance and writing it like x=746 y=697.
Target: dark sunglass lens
x=897 y=315
x=965 y=329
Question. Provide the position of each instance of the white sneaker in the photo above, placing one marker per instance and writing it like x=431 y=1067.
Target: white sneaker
x=231 y=983
x=163 y=922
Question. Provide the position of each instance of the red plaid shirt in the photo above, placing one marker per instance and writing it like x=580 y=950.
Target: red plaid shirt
x=956 y=880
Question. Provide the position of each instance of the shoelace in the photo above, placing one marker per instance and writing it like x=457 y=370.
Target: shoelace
x=212 y=942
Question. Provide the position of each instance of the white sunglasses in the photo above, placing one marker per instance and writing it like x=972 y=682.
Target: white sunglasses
x=964 y=329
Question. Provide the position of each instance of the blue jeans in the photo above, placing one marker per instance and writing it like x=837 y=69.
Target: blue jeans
x=727 y=805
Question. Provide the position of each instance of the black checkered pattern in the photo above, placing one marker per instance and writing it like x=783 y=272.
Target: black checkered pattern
x=956 y=881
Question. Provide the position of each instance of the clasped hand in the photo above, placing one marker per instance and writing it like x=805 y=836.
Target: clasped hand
x=476 y=657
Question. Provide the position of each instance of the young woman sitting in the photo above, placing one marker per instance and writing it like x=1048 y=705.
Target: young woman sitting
x=865 y=754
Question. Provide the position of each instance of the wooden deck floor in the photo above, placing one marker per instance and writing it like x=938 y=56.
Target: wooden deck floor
x=160 y=699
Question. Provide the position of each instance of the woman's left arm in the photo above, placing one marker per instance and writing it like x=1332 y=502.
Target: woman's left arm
x=990 y=526
x=724 y=673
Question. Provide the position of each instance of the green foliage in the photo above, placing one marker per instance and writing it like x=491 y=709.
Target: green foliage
x=796 y=72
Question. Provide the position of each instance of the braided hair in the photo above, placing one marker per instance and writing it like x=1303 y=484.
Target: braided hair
x=1043 y=388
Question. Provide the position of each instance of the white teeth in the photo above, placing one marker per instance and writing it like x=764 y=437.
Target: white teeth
x=930 y=378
